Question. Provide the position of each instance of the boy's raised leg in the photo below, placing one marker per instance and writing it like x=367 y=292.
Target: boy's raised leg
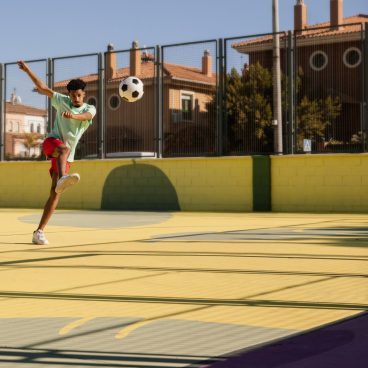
x=65 y=181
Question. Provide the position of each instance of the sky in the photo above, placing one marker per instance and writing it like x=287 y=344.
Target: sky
x=41 y=29
x=37 y=29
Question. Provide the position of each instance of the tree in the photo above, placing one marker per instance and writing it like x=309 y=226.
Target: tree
x=31 y=141
x=313 y=117
x=248 y=106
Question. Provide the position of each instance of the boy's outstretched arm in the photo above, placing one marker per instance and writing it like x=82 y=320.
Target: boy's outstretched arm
x=81 y=117
x=40 y=85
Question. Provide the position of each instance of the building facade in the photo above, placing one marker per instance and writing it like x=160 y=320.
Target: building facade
x=328 y=62
x=25 y=128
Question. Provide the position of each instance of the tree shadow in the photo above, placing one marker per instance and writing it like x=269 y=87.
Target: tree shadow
x=139 y=187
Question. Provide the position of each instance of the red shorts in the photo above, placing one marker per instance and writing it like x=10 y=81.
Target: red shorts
x=48 y=147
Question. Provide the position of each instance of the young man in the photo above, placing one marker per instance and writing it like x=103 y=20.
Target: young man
x=73 y=117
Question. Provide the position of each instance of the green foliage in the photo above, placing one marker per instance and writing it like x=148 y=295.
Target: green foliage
x=314 y=116
x=30 y=141
x=248 y=103
x=248 y=108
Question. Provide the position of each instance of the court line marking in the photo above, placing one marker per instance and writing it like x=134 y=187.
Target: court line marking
x=75 y=324
x=134 y=326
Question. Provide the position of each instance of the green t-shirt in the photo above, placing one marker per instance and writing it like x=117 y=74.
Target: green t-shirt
x=69 y=130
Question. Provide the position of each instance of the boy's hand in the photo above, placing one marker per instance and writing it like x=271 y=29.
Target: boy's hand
x=67 y=115
x=23 y=66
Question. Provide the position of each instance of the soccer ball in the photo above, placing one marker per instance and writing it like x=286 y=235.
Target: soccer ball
x=131 y=89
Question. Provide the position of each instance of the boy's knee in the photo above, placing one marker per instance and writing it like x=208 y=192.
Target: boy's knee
x=61 y=150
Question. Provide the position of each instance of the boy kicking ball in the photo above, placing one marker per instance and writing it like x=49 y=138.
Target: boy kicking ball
x=73 y=117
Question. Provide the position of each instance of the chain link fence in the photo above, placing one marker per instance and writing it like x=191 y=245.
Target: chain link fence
x=329 y=89
x=189 y=99
x=130 y=127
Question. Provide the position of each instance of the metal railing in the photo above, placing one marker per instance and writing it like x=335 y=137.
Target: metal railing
x=204 y=98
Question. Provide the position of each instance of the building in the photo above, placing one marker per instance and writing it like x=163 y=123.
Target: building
x=25 y=127
x=330 y=57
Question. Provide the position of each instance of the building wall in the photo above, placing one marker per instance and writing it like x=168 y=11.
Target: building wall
x=336 y=76
x=14 y=123
x=335 y=80
x=17 y=125
x=130 y=127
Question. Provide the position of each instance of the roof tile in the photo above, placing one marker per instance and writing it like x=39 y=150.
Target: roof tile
x=316 y=30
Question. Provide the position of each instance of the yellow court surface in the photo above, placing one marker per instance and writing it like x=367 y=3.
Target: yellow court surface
x=162 y=289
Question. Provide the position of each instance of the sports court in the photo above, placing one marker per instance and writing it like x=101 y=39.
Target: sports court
x=174 y=289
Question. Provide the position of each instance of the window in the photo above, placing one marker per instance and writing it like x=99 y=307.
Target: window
x=39 y=128
x=318 y=60
x=92 y=101
x=114 y=102
x=352 y=57
x=31 y=129
x=187 y=106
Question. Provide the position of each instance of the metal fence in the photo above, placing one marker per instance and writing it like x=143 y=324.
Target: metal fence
x=130 y=127
x=205 y=98
x=329 y=89
x=248 y=93
x=189 y=99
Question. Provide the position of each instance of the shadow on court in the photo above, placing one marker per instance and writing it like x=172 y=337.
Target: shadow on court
x=340 y=345
x=175 y=289
x=67 y=358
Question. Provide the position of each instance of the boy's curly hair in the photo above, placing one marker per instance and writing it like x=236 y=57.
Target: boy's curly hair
x=75 y=84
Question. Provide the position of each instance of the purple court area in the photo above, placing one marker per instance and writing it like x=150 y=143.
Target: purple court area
x=341 y=345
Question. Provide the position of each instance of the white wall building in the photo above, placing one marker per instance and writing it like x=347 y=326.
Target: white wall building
x=25 y=128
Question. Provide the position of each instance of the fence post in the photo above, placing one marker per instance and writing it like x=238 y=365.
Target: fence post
x=291 y=101
x=50 y=84
x=158 y=103
x=220 y=97
x=365 y=86
x=225 y=144
x=101 y=107
x=2 y=114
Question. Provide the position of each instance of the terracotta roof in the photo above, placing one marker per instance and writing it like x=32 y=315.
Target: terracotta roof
x=312 y=32
x=148 y=71
x=188 y=73
x=24 y=109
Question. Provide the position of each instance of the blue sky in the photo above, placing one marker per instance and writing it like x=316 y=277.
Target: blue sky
x=34 y=29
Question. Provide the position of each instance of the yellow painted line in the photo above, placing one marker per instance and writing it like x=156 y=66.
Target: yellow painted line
x=75 y=324
x=127 y=330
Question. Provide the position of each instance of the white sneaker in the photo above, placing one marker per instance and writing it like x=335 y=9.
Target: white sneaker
x=65 y=182
x=39 y=238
